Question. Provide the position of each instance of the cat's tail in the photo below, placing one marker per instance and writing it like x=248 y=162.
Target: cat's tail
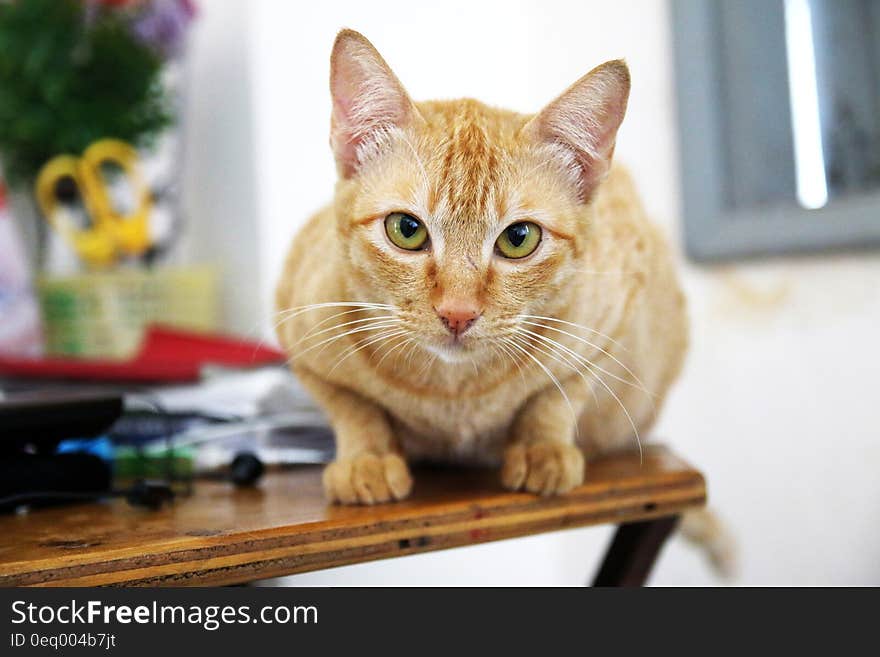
x=705 y=530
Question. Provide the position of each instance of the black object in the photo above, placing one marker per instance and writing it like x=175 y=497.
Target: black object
x=43 y=479
x=148 y=493
x=39 y=420
x=31 y=426
x=246 y=469
x=633 y=550
x=32 y=423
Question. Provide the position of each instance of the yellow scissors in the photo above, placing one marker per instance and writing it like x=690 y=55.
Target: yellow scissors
x=111 y=234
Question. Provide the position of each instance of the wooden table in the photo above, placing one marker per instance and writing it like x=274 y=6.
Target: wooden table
x=223 y=535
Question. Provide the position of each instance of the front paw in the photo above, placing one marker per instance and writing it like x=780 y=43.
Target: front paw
x=367 y=479
x=545 y=468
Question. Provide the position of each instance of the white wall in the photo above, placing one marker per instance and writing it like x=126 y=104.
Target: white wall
x=778 y=403
x=219 y=195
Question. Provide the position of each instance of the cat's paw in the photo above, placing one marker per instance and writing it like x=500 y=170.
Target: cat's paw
x=545 y=468
x=367 y=479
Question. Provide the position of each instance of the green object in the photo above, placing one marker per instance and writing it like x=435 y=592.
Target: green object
x=66 y=82
x=131 y=463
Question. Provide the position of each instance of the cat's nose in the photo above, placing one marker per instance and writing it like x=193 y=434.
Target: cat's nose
x=458 y=316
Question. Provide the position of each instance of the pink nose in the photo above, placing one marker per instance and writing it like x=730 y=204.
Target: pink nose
x=458 y=316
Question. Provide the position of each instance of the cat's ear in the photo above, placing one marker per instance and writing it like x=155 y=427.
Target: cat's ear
x=368 y=100
x=583 y=122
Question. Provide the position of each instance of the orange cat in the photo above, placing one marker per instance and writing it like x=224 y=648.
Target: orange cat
x=484 y=288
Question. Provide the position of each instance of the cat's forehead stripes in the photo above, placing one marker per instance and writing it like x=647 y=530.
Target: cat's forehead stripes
x=467 y=161
x=469 y=173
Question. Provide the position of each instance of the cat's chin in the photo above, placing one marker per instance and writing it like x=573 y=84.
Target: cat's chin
x=451 y=352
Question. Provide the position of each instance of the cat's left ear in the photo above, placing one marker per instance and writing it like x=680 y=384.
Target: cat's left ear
x=583 y=122
x=368 y=100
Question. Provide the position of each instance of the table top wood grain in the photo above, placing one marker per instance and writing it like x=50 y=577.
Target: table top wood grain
x=224 y=535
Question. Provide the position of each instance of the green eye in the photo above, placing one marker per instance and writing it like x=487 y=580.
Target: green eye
x=406 y=231
x=519 y=240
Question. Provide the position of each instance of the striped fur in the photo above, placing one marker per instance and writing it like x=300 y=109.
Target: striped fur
x=575 y=346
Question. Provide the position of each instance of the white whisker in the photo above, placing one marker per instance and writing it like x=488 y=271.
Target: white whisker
x=572 y=324
x=364 y=320
x=406 y=340
x=594 y=346
x=410 y=352
x=602 y=382
x=626 y=412
x=380 y=324
x=513 y=356
x=297 y=310
x=555 y=348
x=427 y=366
x=587 y=361
x=334 y=316
x=564 y=360
x=550 y=374
x=393 y=333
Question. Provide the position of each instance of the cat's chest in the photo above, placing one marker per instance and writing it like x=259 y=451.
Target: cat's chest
x=465 y=429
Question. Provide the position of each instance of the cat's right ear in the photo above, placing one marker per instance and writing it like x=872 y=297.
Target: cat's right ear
x=368 y=100
x=583 y=122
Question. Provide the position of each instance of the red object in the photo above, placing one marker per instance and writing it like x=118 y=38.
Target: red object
x=167 y=355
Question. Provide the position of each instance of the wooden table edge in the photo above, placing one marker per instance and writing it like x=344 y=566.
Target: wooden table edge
x=272 y=552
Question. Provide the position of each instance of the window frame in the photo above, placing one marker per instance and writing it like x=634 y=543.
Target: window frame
x=712 y=230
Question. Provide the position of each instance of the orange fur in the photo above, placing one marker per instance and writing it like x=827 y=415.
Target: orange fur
x=600 y=286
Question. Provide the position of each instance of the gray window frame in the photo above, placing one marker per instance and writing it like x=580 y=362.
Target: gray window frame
x=712 y=230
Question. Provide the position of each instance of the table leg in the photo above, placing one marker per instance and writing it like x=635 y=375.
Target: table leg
x=633 y=550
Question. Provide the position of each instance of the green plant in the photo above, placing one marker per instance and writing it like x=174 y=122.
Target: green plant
x=67 y=79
